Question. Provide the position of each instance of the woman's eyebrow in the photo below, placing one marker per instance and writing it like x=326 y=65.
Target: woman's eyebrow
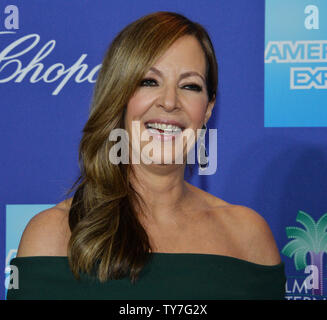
x=183 y=75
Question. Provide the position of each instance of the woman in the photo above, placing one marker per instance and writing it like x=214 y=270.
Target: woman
x=140 y=231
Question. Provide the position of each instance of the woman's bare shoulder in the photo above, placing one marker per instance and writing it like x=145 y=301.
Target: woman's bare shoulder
x=252 y=233
x=47 y=233
x=240 y=230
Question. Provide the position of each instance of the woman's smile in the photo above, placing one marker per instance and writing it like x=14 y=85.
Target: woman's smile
x=163 y=130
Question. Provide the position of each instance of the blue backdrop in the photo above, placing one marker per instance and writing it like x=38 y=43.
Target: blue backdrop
x=271 y=137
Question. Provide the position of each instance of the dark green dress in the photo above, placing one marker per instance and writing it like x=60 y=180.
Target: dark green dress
x=168 y=276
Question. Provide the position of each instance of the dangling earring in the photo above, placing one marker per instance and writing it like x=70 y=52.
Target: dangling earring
x=202 y=152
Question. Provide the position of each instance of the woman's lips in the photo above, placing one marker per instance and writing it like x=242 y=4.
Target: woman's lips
x=166 y=121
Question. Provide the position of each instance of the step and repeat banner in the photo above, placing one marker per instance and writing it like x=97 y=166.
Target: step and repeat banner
x=270 y=114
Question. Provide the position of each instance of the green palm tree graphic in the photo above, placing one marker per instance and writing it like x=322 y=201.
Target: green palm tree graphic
x=312 y=240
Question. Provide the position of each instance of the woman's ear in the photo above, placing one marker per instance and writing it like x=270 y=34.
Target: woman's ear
x=209 y=109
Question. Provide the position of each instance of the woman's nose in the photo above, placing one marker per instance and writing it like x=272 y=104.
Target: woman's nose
x=168 y=97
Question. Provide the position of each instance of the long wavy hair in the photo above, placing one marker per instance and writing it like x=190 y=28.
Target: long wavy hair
x=106 y=236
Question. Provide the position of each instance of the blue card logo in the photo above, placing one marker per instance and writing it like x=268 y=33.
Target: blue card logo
x=296 y=63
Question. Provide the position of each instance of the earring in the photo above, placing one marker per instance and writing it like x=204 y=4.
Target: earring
x=202 y=152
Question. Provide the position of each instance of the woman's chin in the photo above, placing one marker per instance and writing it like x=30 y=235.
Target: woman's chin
x=168 y=160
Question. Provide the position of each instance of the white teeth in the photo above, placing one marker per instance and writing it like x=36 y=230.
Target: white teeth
x=166 y=127
x=165 y=133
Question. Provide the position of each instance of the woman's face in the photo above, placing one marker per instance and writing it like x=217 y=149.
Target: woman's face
x=173 y=90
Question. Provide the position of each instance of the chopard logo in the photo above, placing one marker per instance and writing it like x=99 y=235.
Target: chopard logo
x=13 y=69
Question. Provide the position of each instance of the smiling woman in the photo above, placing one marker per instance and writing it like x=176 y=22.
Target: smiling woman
x=173 y=92
x=140 y=223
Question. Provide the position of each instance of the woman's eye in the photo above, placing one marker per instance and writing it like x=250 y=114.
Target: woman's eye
x=194 y=87
x=148 y=82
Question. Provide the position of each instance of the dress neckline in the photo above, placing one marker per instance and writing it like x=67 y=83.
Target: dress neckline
x=173 y=256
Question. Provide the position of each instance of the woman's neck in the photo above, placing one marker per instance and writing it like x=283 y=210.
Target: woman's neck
x=163 y=189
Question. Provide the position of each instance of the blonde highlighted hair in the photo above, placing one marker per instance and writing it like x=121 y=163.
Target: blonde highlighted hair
x=107 y=237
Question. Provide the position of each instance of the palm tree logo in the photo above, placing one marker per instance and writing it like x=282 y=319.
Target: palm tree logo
x=312 y=240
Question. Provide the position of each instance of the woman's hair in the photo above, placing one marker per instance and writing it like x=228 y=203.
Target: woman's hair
x=105 y=231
